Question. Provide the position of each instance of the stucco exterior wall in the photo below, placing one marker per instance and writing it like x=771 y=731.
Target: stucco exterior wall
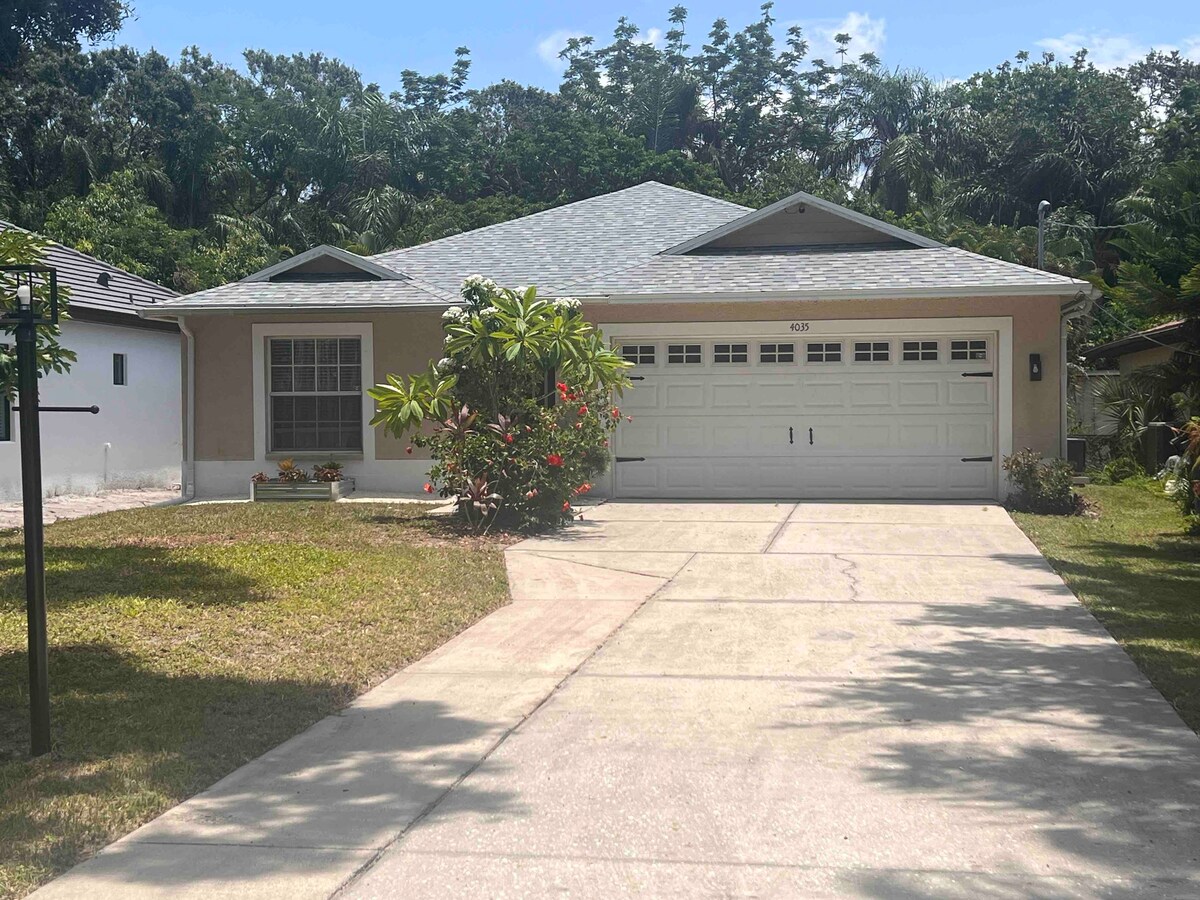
x=405 y=341
x=1152 y=356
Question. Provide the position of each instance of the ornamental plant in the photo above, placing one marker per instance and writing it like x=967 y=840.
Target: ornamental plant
x=517 y=414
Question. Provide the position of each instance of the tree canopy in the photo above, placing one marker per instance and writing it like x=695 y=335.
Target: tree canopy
x=192 y=172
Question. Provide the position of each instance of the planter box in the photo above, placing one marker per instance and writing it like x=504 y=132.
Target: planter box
x=284 y=491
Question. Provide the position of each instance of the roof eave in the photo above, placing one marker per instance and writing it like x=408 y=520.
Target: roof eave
x=230 y=308
x=352 y=259
x=934 y=293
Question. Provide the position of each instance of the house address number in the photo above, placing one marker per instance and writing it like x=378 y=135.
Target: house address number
x=799 y=327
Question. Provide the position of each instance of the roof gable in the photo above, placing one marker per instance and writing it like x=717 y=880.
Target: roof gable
x=325 y=262
x=798 y=221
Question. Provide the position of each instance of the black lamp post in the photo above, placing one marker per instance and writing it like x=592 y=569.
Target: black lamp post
x=26 y=319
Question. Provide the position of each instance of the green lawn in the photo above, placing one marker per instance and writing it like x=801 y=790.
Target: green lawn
x=188 y=640
x=1139 y=573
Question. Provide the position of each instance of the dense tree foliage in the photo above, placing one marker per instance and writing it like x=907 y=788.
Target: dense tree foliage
x=192 y=172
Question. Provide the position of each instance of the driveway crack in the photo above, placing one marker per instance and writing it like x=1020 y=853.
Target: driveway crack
x=851 y=573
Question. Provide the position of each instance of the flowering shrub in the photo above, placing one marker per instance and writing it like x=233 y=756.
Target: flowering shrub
x=509 y=439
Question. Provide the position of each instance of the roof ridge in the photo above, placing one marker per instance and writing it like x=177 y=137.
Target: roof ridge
x=400 y=252
x=95 y=259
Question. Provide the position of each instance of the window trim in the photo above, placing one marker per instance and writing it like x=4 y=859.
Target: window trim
x=777 y=351
x=260 y=333
x=639 y=350
x=316 y=392
x=824 y=353
x=731 y=352
x=873 y=347
x=685 y=350
x=921 y=350
x=969 y=350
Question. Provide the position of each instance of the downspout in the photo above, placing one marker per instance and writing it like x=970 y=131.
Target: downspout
x=1076 y=308
x=189 y=414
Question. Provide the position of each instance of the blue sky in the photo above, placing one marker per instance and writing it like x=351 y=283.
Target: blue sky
x=515 y=40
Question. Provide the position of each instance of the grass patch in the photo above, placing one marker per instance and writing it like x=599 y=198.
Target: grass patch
x=185 y=641
x=1138 y=572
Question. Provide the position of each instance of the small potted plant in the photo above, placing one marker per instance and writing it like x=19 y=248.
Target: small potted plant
x=293 y=482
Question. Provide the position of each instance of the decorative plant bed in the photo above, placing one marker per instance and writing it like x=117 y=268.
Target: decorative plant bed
x=294 y=483
x=275 y=490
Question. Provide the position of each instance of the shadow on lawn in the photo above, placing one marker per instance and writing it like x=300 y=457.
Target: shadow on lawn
x=82 y=573
x=137 y=740
x=1038 y=724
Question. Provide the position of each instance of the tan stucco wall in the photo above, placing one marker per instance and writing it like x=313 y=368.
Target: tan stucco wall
x=1152 y=356
x=405 y=341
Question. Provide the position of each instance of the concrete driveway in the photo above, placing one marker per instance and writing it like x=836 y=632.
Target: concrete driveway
x=724 y=699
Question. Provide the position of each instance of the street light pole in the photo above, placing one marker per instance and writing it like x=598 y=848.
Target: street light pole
x=1043 y=209
x=31 y=484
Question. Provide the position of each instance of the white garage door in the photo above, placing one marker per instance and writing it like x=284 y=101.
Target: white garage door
x=875 y=416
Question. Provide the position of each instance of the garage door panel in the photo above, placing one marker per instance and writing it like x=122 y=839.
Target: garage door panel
x=884 y=428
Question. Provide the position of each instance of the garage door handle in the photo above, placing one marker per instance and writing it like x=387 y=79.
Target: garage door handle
x=977 y=459
x=976 y=374
x=810 y=437
x=637 y=377
x=631 y=459
x=791 y=440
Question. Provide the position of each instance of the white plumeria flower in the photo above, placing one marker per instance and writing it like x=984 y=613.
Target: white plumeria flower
x=567 y=303
x=445 y=364
x=454 y=312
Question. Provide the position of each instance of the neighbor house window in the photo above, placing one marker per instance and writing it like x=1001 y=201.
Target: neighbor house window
x=119 y=369
x=871 y=351
x=638 y=354
x=920 y=351
x=776 y=353
x=316 y=394
x=968 y=349
x=686 y=354
x=731 y=353
x=828 y=352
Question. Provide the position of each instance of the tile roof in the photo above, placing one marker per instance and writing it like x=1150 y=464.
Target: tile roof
x=567 y=243
x=939 y=271
x=124 y=293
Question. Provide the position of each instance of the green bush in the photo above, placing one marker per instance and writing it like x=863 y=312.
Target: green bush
x=509 y=440
x=1118 y=470
x=1040 y=486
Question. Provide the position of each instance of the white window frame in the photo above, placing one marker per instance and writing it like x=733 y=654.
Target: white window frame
x=824 y=351
x=639 y=350
x=731 y=352
x=776 y=352
x=974 y=339
x=260 y=334
x=872 y=348
x=685 y=350
x=921 y=349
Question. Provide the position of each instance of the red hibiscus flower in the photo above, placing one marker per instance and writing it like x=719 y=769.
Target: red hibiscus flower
x=530 y=494
x=566 y=505
x=428 y=488
x=508 y=439
x=583 y=410
x=408 y=450
x=562 y=387
x=553 y=459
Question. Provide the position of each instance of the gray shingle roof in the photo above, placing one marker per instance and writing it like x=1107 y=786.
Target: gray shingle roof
x=308 y=294
x=567 y=243
x=124 y=293
x=941 y=271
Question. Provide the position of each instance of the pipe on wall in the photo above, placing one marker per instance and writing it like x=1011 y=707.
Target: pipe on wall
x=1080 y=306
x=189 y=413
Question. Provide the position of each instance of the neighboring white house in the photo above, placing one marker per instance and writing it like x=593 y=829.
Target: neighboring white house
x=127 y=365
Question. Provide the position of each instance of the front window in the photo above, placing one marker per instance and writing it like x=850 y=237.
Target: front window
x=316 y=394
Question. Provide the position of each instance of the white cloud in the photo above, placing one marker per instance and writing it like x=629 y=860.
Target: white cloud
x=552 y=44
x=650 y=36
x=867 y=35
x=1113 y=51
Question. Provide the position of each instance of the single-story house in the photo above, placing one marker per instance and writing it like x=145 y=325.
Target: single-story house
x=1149 y=347
x=127 y=365
x=800 y=350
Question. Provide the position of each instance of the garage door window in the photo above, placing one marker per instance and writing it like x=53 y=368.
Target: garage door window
x=970 y=350
x=638 y=354
x=920 y=351
x=825 y=353
x=871 y=351
x=731 y=353
x=771 y=354
x=684 y=354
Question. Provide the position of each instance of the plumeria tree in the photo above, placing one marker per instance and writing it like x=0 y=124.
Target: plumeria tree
x=518 y=412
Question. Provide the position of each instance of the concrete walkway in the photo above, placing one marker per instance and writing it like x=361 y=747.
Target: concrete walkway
x=754 y=699
x=76 y=506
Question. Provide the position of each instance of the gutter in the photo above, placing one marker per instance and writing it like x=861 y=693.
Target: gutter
x=1080 y=306
x=1072 y=289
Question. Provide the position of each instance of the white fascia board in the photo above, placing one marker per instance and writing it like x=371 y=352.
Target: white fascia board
x=1038 y=290
x=874 y=224
x=352 y=259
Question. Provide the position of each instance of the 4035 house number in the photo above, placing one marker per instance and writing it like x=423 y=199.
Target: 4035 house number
x=798 y=327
